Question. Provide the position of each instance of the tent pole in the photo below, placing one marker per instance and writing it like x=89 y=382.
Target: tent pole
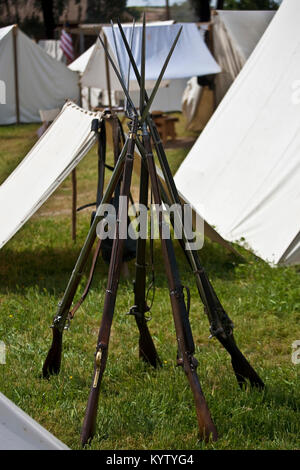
x=107 y=76
x=15 y=32
x=74 y=204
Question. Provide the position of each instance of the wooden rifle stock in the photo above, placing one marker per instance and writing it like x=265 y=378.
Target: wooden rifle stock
x=53 y=360
x=147 y=349
x=184 y=335
x=89 y=423
x=90 y=418
x=220 y=324
x=222 y=328
x=241 y=367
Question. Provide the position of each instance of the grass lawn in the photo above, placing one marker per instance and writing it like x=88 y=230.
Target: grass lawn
x=142 y=408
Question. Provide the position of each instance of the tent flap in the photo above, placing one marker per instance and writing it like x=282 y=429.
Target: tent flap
x=48 y=163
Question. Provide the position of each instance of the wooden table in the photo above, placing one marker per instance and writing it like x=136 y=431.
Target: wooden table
x=165 y=125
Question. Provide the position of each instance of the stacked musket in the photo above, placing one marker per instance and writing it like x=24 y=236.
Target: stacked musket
x=141 y=135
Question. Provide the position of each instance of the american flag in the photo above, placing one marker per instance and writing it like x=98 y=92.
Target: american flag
x=66 y=45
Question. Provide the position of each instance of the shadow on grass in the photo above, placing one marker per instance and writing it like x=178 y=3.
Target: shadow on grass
x=50 y=268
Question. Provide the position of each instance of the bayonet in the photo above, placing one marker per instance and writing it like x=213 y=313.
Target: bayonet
x=143 y=58
x=128 y=73
x=118 y=75
x=148 y=100
x=154 y=91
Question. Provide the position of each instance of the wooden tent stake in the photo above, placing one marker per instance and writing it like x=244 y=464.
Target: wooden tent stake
x=74 y=204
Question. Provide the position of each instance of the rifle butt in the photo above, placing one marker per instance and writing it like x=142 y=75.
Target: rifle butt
x=90 y=418
x=244 y=371
x=147 y=350
x=207 y=429
x=53 y=360
x=242 y=368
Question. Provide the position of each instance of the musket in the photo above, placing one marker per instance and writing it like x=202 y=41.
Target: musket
x=221 y=326
x=180 y=314
x=89 y=424
x=147 y=349
x=53 y=359
x=184 y=335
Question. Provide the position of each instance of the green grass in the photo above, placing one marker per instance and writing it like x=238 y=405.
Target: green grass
x=142 y=408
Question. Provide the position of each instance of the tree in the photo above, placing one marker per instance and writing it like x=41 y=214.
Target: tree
x=102 y=11
x=183 y=12
x=7 y=6
x=250 y=4
x=201 y=9
x=52 y=10
x=47 y=7
x=9 y=9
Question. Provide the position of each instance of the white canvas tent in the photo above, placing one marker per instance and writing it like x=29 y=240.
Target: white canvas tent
x=244 y=169
x=33 y=79
x=18 y=431
x=95 y=76
x=79 y=64
x=89 y=96
x=235 y=35
x=44 y=168
x=191 y=57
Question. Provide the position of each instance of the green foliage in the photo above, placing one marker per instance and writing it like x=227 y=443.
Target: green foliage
x=250 y=5
x=183 y=12
x=102 y=11
x=33 y=26
x=201 y=9
x=136 y=13
x=143 y=408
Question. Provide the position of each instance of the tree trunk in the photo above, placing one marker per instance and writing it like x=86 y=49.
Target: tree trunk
x=167 y=10
x=202 y=9
x=48 y=14
x=220 y=4
x=8 y=10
